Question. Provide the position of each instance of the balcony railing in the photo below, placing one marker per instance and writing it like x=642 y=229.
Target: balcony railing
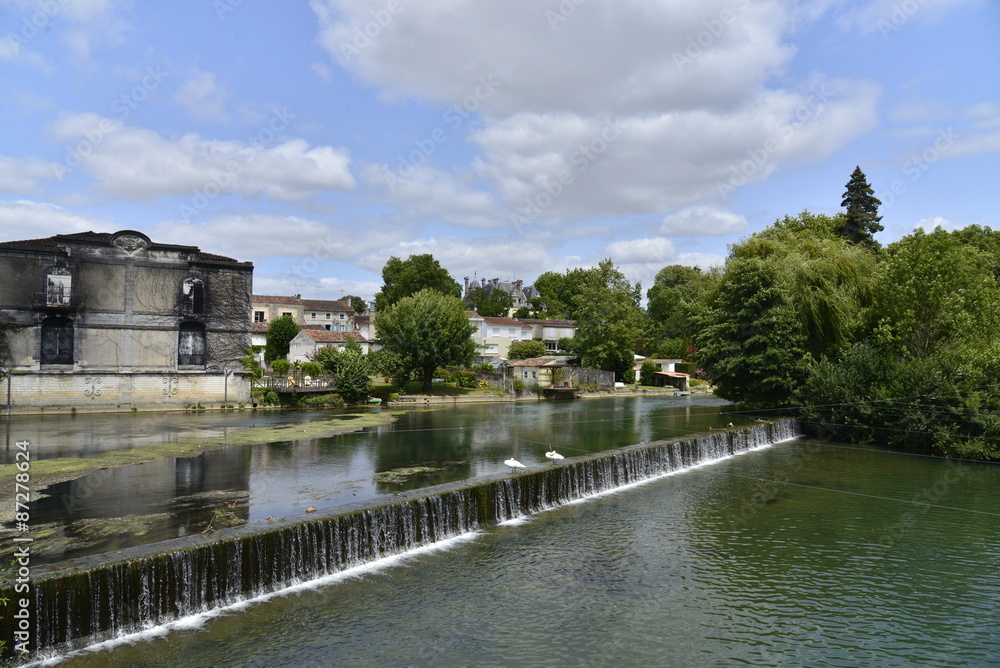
x=57 y=300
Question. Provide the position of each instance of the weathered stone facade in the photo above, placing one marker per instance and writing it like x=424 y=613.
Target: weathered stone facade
x=116 y=320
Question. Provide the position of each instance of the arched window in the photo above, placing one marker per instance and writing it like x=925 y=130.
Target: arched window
x=57 y=341
x=191 y=344
x=193 y=295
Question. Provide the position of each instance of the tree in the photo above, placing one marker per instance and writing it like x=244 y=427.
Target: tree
x=609 y=321
x=676 y=296
x=861 y=220
x=357 y=303
x=403 y=278
x=750 y=341
x=392 y=366
x=525 y=350
x=495 y=303
x=350 y=368
x=427 y=330
x=280 y=333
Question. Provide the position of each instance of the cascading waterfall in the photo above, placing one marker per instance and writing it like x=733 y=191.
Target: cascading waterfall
x=107 y=595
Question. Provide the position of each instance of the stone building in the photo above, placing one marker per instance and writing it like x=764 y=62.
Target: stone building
x=100 y=320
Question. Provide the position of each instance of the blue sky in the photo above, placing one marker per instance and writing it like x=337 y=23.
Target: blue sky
x=507 y=138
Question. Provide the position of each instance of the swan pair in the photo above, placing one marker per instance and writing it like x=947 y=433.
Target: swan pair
x=515 y=465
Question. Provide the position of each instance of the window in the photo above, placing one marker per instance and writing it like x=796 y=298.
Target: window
x=258 y=316
x=495 y=331
x=510 y=331
x=552 y=346
x=284 y=313
x=193 y=295
x=191 y=344
x=57 y=341
x=327 y=316
x=58 y=284
x=314 y=315
x=328 y=328
x=341 y=316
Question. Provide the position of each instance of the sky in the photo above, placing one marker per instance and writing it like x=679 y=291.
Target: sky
x=507 y=138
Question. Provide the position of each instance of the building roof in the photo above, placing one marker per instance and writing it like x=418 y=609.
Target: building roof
x=258 y=327
x=268 y=299
x=326 y=305
x=549 y=323
x=327 y=336
x=105 y=239
x=672 y=374
x=662 y=361
x=495 y=320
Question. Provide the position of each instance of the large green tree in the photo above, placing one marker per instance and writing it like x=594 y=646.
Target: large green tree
x=402 y=278
x=751 y=343
x=427 y=330
x=677 y=295
x=861 y=219
x=495 y=303
x=525 y=350
x=280 y=333
x=608 y=318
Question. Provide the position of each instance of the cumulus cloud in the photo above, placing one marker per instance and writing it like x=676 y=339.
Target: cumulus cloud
x=22 y=175
x=700 y=220
x=202 y=97
x=136 y=164
x=432 y=193
x=547 y=58
x=253 y=236
x=485 y=256
x=26 y=219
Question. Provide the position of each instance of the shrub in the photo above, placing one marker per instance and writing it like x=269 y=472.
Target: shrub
x=628 y=377
x=518 y=385
x=311 y=368
x=443 y=374
x=646 y=372
x=324 y=400
x=467 y=379
x=280 y=367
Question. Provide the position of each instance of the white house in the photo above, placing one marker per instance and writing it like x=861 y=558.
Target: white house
x=309 y=341
x=494 y=335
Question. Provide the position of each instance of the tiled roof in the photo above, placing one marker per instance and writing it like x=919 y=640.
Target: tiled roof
x=326 y=305
x=491 y=320
x=549 y=323
x=268 y=299
x=325 y=336
x=258 y=327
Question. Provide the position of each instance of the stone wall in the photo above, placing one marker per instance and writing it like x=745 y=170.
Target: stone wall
x=32 y=392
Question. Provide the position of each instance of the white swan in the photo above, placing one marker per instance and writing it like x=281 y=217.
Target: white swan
x=514 y=464
x=553 y=455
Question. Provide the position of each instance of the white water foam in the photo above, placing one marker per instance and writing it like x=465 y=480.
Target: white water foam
x=198 y=620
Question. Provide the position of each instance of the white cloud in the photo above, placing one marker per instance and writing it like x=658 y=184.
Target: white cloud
x=931 y=224
x=321 y=287
x=76 y=23
x=425 y=192
x=203 y=98
x=22 y=175
x=492 y=256
x=889 y=16
x=700 y=220
x=445 y=51
x=136 y=164
x=26 y=219
x=253 y=236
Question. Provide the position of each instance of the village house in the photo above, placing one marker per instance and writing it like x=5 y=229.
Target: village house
x=98 y=320
x=312 y=338
x=550 y=331
x=334 y=316
x=493 y=335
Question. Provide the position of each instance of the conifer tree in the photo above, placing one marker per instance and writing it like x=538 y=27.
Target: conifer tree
x=860 y=221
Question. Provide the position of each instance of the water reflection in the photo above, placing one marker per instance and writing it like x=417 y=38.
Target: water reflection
x=141 y=503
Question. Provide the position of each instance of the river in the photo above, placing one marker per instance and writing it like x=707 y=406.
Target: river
x=805 y=553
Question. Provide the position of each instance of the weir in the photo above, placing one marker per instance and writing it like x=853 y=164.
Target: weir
x=86 y=600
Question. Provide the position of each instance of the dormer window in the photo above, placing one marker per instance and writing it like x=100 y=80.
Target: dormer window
x=193 y=295
x=58 y=287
